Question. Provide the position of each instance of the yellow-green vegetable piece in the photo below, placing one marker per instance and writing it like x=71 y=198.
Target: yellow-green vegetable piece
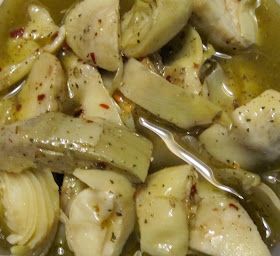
x=44 y=90
x=31 y=204
x=184 y=65
x=86 y=87
x=171 y=103
x=150 y=24
x=163 y=207
x=228 y=24
x=221 y=226
x=92 y=31
x=257 y=123
x=41 y=24
x=223 y=146
x=102 y=216
x=64 y=143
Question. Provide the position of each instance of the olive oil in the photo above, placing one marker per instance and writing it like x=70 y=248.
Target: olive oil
x=258 y=69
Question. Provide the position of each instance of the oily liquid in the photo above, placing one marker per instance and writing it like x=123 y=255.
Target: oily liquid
x=258 y=69
x=249 y=73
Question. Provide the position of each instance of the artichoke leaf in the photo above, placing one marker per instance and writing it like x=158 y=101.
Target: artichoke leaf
x=86 y=87
x=92 y=31
x=218 y=141
x=163 y=207
x=67 y=143
x=183 y=66
x=171 y=103
x=102 y=216
x=14 y=73
x=222 y=227
x=149 y=25
x=71 y=187
x=31 y=204
x=229 y=24
x=44 y=90
x=256 y=125
x=218 y=90
x=41 y=24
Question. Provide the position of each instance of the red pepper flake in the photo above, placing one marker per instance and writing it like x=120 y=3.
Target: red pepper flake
x=16 y=33
x=168 y=78
x=18 y=107
x=0 y=69
x=193 y=191
x=92 y=55
x=105 y=106
x=41 y=97
x=54 y=36
x=233 y=206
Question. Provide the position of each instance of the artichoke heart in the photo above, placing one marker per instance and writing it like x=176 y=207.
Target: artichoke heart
x=150 y=24
x=64 y=143
x=92 y=31
x=222 y=227
x=228 y=24
x=184 y=65
x=31 y=211
x=86 y=87
x=163 y=207
x=44 y=90
x=102 y=216
x=171 y=103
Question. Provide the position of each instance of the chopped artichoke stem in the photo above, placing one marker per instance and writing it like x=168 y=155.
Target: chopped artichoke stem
x=149 y=25
x=171 y=103
x=162 y=208
x=67 y=143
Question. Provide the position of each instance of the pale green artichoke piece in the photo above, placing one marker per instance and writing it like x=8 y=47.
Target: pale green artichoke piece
x=44 y=90
x=257 y=123
x=14 y=73
x=92 y=31
x=86 y=88
x=41 y=24
x=224 y=147
x=150 y=24
x=31 y=204
x=171 y=103
x=222 y=227
x=163 y=207
x=102 y=216
x=182 y=68
x=228 y=24
x=63 y=143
